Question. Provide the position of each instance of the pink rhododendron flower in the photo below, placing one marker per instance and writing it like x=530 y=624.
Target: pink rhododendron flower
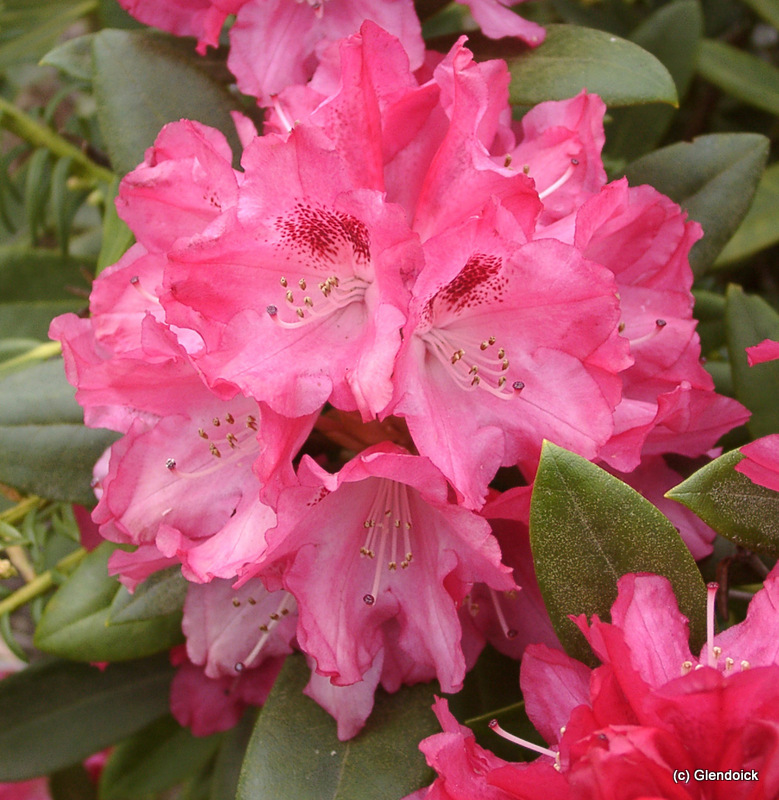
x=395 y=558
x=300 y=32
x=625 y=729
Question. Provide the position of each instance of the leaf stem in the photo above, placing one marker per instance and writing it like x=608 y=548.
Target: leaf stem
x=41 y=584
x=29 y=129
x=21 y=509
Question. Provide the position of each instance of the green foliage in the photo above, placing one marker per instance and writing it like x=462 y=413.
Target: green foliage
x=714 y=178
x=44 y=447
x=572 y=59
x=80 y=620
x=143 y=80
x=729 y=502
x=294 y=751
x=749 y=320
x=587 y=528
x=81 y=710
x=160 y=756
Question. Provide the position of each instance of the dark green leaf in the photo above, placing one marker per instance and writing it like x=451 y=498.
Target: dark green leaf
x=143 y=80
x=710 y=313
x=749 y=320
x=573 y=58
x=294 y=751
x=76 y=625
x=759 y=229
x=714 y=178
x=72 y=783
x=162 y=593
x=740 y=510
x=767 y=9
x=159 y=757
x=587 y=529
x=57 y=713
x=44 y=449
x=671 y=34
x=740 y=74
x=36 y=190
x=227 y=770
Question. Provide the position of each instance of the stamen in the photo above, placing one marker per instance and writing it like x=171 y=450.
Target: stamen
x=711 y=597
x=136 y=283
x=509 y=633
x=686 y=667
x=561 y=181
x=337 y=294
x=536 y=748
x=170 y=463
x=286 y=603
x=659 y=325
x=283 y=118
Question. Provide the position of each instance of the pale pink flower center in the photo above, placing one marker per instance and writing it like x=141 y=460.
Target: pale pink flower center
x=388 y=532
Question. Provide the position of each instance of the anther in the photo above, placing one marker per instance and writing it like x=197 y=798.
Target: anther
x=484 y=345
x=252 y=601
x=745 y=665
x=231 y=440
x=491 y=340
x=518 y=385
x=476 y=380
x=729 y=662
x=526 y=169
x=686 y=667
x=202 y=434
x=507 y=161
x=229 y=418
x=283 y=282
x=501 y=353
x=251 y=422
x=308 y=302
x=302 y=284
x=621 y=327
x=170 y=463
x=236 y=602
x=216 y=422
x=214 y=450
x=290 y=297
x=300 y=312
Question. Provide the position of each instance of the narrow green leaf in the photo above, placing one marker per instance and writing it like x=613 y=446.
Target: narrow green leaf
x=143 y=80
x=227 y=769
x=759 y=229
x=749 y=320
x=671 y=34
x=162 y=593
x=714 y=178
x=294 y=751
x=36 y=190
x=587 y=529
x=117 y=236
x=740 y=74
x=28 y=274
x=573 y=58
x=157 y=758
x=75 y=623
x=742 y=511
x=57 y=713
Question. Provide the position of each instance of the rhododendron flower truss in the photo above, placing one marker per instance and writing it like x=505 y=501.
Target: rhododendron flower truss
x=378 y=559
x=298 y=293
x=652 y=708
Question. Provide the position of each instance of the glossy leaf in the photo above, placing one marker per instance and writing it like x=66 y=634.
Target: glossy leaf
x=749 y=320
x=740 y=74
x=759 y=229
x=671 y=34
x=294 y=751
x=714 y=178
x=227 y=768
x=36 y=285
x=587 y=528
x=76 y=624
x=572 y=58
x=160 y=594
x=72 y=783
x=44 y=447
x=117 y=236
x=142 y=81
x=56 y=713
x=767 y=9
x=737 y=508
x=73 y=58
x=157 y=758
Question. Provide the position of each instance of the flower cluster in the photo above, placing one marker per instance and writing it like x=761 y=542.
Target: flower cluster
x=652 y=721
x=319 y=362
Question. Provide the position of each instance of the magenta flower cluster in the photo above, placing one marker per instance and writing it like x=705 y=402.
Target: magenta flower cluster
x=319 y=362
